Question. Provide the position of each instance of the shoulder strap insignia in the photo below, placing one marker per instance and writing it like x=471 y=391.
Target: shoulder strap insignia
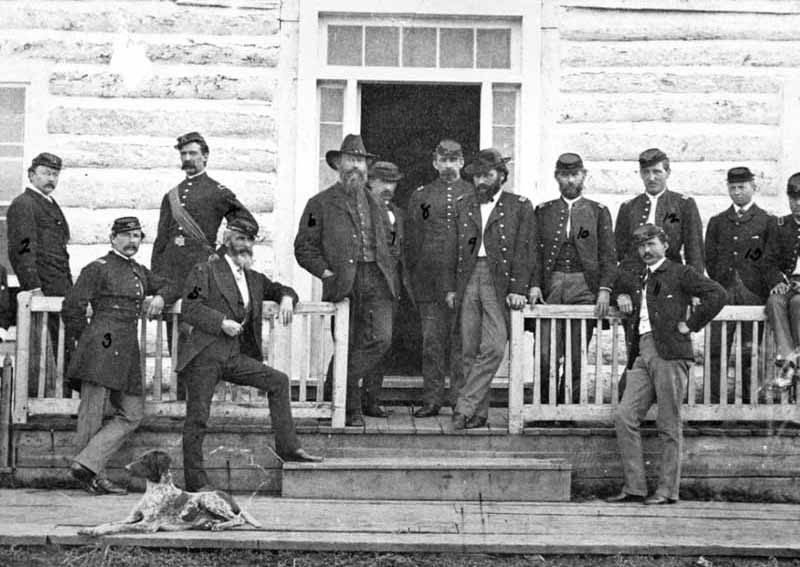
x=99 y=261
x=780 y=221
x=600 y=205
x=420 y=188
x=522 y=199
x=685 y=197
x=460 y=197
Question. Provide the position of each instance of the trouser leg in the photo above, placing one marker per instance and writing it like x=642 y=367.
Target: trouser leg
x=777 y=309
x=201 y=380
x=435 y=331
x=669 y=378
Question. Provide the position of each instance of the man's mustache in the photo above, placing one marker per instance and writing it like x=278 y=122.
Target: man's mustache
x=187 y=165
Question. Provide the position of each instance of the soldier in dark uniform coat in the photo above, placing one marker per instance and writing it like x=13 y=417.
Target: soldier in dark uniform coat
x=734 y=250
x=222 y=307
x=781 y=272
x=106 y=360
x=574 y=262
x=660 y=356
x=676 y=213
x=431 y=221
x=490 y=274
x=345 y=239
x=37 y=246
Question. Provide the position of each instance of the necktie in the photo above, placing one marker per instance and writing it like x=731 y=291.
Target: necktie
x=645 y=277
x=740 y=212
x=569 y=219
x=651 y=217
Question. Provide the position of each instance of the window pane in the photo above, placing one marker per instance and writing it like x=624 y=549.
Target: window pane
x=456 y=47
x=494 y=49
x=419 y=47
x=10 y=180
x=12 y=99
x=11 y=150
x=344 y=45
x=331 y=104
x=12 y=114
x=327 y=176
x=330 y=138
x=382 y=46
x=505 y=108
x=503 y=140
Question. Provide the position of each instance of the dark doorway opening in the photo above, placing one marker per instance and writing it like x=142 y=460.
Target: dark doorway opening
x=403 y=123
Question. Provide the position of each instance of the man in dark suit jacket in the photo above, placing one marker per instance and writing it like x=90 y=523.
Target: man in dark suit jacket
x=222 y=306
x=37 y=244
x=735 y=240
x=345 y=239
x=489 y=274
x=660 y=356
x=431 y=222
x=574 y=262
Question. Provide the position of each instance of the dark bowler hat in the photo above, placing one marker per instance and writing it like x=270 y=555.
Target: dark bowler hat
x=189 y=138
x=739 y=175
x=651 y=157
x=48 y=160
x=245 y=226
x=352 y=145
x=569 y=162
x=125 y=224
x=648 y=231
x=793 y=185
x=386 y=171
x=486 y=160
x=448 y=149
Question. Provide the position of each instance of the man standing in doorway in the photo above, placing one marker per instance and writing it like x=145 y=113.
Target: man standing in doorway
x=735 y=240
x=431 y=222
x=37 y=245
x=345 y=239
x=659 y=359
x=574 y=262
x=490 y=268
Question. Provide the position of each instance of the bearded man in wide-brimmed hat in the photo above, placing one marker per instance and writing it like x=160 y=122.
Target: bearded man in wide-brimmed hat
x=345 y=239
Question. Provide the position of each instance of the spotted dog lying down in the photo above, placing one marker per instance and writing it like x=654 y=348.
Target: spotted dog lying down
x=166 y=507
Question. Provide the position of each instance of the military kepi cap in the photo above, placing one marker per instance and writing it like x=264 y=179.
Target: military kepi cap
x=648 y=231
x=448 y=149
x=124 y=224
x=48 y=160
x=793 y=185
x=386 y=171
x=651 y=157
x=245 y=226
x=486 y=160
x=569 y=162
x=189 y=138
x=352 y=145
x=739 y=175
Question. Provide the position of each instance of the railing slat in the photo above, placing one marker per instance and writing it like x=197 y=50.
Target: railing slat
x=706 y=371
x=537 y=356
x=598 y=361
x=553 y=362
x=737 y=385
x=42 y=379
x=59 y=393
x=583 y=396
x=158 y=373
x=340 y=363
x=754 y=365
x=173 y=359
x=614 y=363
x=19 y=410
x=516 y=387
x=723 y=366
x=567 y=361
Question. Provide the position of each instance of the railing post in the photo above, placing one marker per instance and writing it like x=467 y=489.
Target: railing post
x=5 y=414
x=341 y=337
x=19 y=410
x=515 y=379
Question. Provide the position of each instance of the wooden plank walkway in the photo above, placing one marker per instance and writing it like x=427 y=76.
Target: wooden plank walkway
x=38 y=517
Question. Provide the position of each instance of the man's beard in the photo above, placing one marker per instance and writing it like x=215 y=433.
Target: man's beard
x=448 y=175
x=487 y=191
x=241 y=255
x=353 y=179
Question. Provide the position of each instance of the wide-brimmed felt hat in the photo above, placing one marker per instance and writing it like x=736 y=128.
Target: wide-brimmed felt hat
x=353 y=145
x=486 y=160
x=386 y=171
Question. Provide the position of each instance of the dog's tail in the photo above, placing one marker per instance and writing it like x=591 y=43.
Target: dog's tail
x=250 y=519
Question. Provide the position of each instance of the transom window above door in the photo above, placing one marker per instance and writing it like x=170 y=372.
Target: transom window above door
x=420 y=42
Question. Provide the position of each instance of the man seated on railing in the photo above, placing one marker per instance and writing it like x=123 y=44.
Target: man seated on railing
x=222 y=306
x=735 y=241
x=782 y=277
x=660 y=356
x=574 y=262
x=106 y=360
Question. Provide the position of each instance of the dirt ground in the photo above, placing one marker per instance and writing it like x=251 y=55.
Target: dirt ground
x=104 y=556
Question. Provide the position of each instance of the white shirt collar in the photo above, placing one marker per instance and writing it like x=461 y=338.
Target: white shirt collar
x=123 y=256
x=571 y=202
x=493 y=202
x=655 y=197
x=48 y=197
x=195 y=175
x=657 y=265
x=237 y=270
x=745 y=208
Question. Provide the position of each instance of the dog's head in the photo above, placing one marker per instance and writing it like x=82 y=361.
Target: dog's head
x=153 y=465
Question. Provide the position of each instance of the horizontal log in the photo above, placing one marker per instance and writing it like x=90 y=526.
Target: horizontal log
x=681 y=142
x=152 y=119
x=751 y=6
x=150 y=153
x=670 y=80
x=741 y=53
x=102 y=188
x=222 y=84
x=150 y=17
x=714 y=108
x=77 y=49
x=587 y=24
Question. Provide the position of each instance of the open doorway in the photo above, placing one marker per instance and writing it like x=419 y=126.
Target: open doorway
x=403 y=123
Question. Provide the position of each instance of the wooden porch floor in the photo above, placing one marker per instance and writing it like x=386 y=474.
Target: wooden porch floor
x=40 y=517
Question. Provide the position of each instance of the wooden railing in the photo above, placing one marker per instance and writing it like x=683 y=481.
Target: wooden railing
x=604 y=357
x=301 y=349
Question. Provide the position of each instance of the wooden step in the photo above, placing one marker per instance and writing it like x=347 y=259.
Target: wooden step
x=508 y=477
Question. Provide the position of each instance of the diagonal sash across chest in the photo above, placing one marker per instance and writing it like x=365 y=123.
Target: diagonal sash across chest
x=185 y=221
